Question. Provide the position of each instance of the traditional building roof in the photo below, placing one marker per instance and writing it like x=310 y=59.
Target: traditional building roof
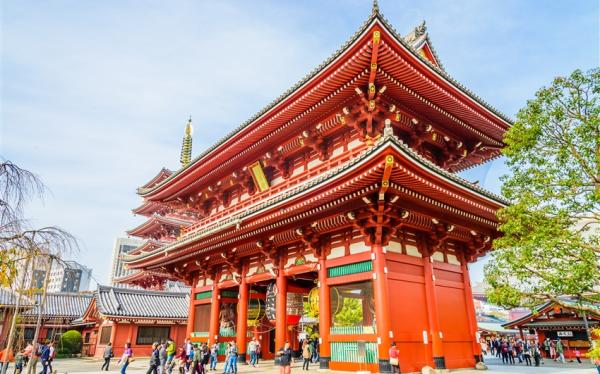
x=61 y=305
x=127 y=303
x=147 y=279
x=532 y=319
x=383 y=145
x=8 y=298
x=147 y=246
x=156 y=223
x=163 y=174
x=401 y=65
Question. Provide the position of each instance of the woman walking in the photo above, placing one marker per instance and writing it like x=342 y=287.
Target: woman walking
x=285 y=359
x=107 y=355
x=306 y=355
x=126 y=358
x=394 y=362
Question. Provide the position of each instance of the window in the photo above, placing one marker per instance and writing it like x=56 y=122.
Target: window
x=105 y=335
x=28 y=333
x=146 y=335
x=86 y=340
x=352 y=308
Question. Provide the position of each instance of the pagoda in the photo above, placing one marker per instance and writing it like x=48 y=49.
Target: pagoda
x=335 y=213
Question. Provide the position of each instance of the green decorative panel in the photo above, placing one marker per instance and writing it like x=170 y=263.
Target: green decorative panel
x=203 y=295
x=351 y=330
x=229 y=294
x=227 y=333
x=200 y=334
x=348 y=352
x=359 y=267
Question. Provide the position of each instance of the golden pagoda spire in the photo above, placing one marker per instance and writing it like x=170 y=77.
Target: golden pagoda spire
x=186 y=146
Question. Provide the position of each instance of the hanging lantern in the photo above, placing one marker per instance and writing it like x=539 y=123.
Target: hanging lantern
x=256 y=311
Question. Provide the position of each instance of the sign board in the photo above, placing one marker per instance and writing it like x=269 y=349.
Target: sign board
x=564 y=334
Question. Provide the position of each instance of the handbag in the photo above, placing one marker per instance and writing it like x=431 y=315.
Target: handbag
x=394 y=361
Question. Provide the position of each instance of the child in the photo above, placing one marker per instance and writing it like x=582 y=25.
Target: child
x=578 y=355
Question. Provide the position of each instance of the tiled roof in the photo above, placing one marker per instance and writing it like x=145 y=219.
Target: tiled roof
x=375 y=16
x=8 y=297
x=61 y=305
x=124 y=302
x=386 y=139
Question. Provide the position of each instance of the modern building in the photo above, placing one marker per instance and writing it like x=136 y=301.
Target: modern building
x=69 y=276
x=122 y=246
x=342 y=191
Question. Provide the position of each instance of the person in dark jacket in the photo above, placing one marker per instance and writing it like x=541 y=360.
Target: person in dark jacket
x=154 y=360
x=44 y=350
x=107 y=355
x=285 y=359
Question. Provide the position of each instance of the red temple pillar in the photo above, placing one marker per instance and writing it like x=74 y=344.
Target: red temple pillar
x=242 y=317
x=437 y=346
x=324 y=316
x=281 y=307
x=213 y=329
x=470 y=310
x=191 y=312
x=382 y=308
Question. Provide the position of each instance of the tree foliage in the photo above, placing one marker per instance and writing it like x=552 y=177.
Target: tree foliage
x=350 y=314
x=550 y=243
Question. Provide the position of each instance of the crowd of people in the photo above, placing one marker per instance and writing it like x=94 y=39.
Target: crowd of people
x=512 y=350
x=29 y=358
x=191 y=358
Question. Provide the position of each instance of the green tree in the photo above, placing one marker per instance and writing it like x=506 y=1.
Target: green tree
x=550 y=243
x=71 y=342
x=350 y=314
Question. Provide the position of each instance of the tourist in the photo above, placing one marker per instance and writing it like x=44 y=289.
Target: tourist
x=227 y=348
x=107 y=355
x=154 y=359
x=527 y=353
x=484 y=346
x=196 y=366
x=52 y=356
x=546 y=347
x=214 y=358
x=285 y=359
x=519 y=350
x=504 y=350
x=315 y=344
x=19 y=362
x=511 y=351
x=252 y=349
x=126 y=358
x=27 y=353
x=44 y=356
x=162 y=357
x=578 y=355
x=2 y=354
x=205 y=356
x=232 y=358
x=552 y=350
x=394 y=361
x=597 y=363
x=306 y=355
x=560 y=354
x=189 y=351
x=182 y=361
x=537 y=355
x=498 y=347
x=258 y=347
x=170 y=354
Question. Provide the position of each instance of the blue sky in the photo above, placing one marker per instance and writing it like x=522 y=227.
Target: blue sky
x=95 y=95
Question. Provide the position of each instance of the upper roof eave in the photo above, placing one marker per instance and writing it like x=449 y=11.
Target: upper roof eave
x=375 y=18
x=380 y=146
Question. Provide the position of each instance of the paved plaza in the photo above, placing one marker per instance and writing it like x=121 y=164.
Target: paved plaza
x=92 y=365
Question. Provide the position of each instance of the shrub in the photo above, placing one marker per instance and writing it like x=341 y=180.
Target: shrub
x=70 y=342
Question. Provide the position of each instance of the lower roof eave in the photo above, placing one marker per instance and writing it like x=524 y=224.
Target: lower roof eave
x=386 y=143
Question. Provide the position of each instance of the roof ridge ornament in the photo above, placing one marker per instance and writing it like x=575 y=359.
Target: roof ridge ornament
x=186 y=146
x=375 y=7
x=421 y=29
